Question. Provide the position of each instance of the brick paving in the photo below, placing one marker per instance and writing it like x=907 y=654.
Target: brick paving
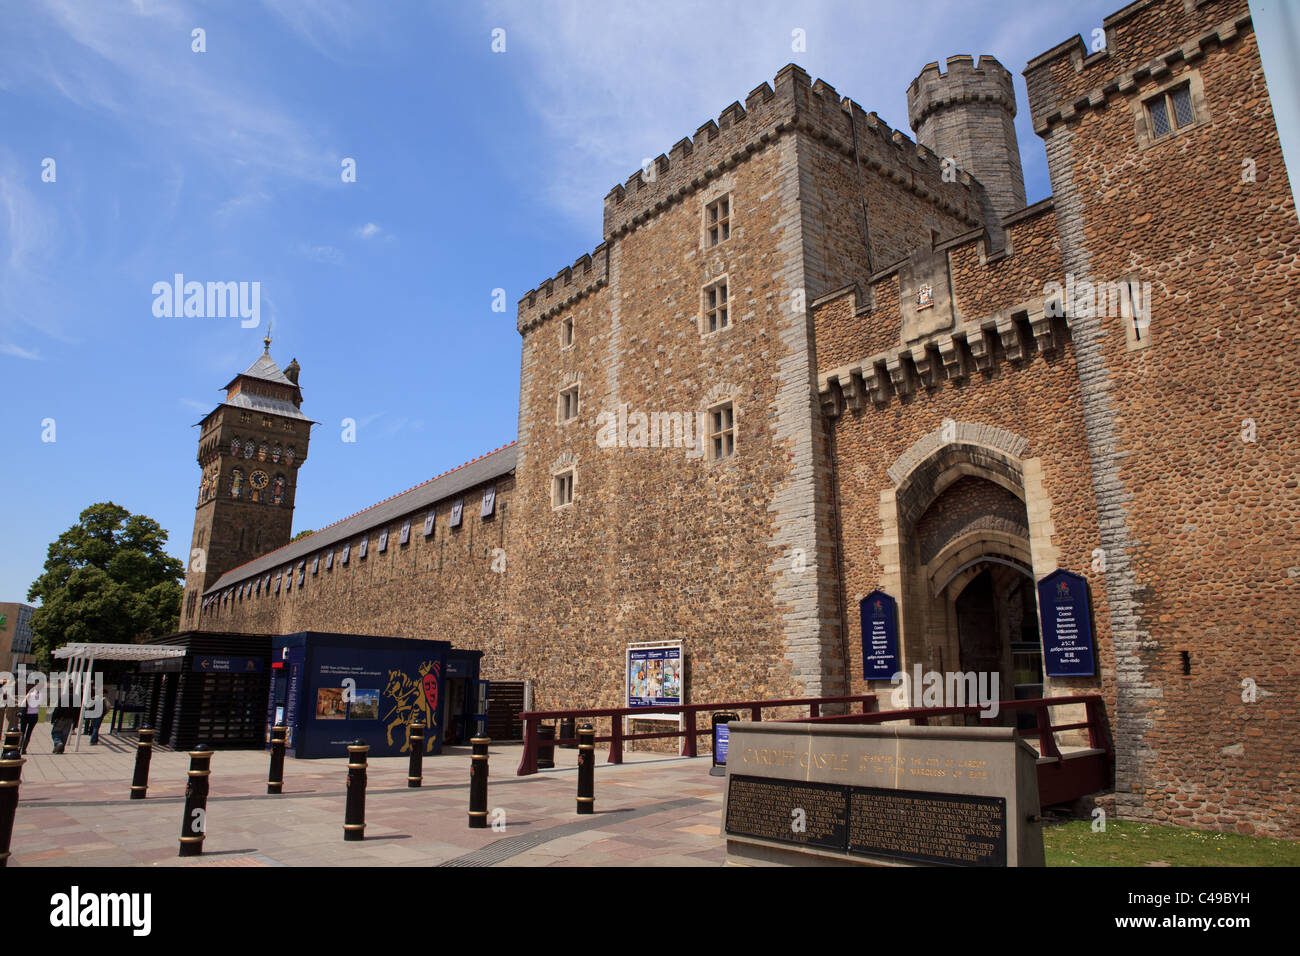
x=651 y=811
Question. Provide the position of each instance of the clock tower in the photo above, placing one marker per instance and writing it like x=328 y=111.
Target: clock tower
x=250 y=449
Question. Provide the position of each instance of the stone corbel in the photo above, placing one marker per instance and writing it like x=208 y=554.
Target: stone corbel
x=832 y=400
x=954 y=359
x=927 y=369
x=900 y=373
x=1009 y=334
x=852 y=388
x=978 y=343
x=877 y=384
x=1044 y=332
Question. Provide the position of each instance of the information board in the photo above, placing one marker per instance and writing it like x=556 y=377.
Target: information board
x=1065 y=609
x=946 y=829
x=654 y=676
x=879 y=614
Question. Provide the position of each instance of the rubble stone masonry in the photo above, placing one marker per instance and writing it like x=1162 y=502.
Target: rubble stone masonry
x=920 y=395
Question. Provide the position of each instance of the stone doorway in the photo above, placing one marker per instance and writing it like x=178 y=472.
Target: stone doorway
x=997 y=631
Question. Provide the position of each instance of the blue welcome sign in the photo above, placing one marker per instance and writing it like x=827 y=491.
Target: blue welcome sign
x=879 y=614
x=1065 y=610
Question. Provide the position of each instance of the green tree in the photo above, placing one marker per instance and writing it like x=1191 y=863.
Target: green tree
x=107 y=579
x=302 y=534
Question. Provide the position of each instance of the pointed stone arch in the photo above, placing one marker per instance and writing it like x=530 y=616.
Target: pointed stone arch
x=964 y=464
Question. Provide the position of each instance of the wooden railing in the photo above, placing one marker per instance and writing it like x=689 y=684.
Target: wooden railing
x=689 y=732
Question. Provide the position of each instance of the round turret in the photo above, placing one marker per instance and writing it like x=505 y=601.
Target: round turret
x=968 y=115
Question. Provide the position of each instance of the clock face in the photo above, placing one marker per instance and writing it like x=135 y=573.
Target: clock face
x=258 y=479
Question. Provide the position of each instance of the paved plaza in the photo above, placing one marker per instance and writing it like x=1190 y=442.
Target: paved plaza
x=650 y=811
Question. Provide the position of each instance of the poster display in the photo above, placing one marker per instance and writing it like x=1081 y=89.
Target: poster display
x=654 y=676
x=343 y=688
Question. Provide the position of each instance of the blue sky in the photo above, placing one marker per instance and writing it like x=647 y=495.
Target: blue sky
x=475 y=171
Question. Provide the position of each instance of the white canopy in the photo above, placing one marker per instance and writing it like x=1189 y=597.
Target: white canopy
x=81 y=660
x=118 y=652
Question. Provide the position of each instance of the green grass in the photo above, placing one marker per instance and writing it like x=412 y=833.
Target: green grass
x=1140 y=844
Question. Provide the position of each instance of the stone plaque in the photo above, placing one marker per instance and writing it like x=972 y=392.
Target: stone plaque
x=831 y=794
x=815 y=814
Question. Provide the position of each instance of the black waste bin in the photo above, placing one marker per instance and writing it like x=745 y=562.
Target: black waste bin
x=568 y=731
x=545 y=748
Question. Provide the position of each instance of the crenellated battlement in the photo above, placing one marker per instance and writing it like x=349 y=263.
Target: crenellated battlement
x=738 y=132
x=588 y=273
x=1068 y=79
x=792 y=103
x=964 y=82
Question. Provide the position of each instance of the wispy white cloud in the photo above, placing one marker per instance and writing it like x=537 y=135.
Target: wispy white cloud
x=326 y=254
x=30 y=239
x=333 y=28
x=613 y=85
x=135 y=63
x=19 y=352
x=369 y=231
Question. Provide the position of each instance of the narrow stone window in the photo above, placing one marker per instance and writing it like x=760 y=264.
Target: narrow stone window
x=568 y=404
x=722 y=431
x=717 y=221
x=1171 y=111
x=562 y=489
x=717 y=308
x=1135 y=312
x=566 y=333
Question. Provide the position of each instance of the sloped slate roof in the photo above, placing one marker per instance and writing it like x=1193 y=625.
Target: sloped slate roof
x=480 y=470
x=263 y=403
x=266 y=369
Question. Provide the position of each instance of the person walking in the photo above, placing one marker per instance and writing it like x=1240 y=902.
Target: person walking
x=9 y=706
x=31 y=713
x=61 y=722
x=90 y=725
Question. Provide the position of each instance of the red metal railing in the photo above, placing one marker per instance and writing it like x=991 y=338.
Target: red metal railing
x=532 y=720
x=1061 y=778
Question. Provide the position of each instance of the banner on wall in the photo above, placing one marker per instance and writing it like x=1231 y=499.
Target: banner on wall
x=654 y=676
x=879 y=614
x=1065 y=610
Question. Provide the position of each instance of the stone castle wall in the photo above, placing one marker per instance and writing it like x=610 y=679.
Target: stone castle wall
x=890 y=335
x=1199 y=526
x=449 y=586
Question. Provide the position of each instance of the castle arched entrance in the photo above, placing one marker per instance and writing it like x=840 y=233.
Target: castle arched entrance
x=972 y=536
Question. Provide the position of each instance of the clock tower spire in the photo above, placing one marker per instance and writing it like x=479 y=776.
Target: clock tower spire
x=250 y=449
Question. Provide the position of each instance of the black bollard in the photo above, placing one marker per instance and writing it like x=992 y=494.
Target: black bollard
x=275 y=778
x=194 y=825
x=13 y=745
x=587 y=769
x=478 y=776
x=11 y=772
x=415 y=776
x=143 y=754
x=354 y=813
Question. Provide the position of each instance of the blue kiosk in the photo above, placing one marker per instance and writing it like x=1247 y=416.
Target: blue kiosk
x=331 y=690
